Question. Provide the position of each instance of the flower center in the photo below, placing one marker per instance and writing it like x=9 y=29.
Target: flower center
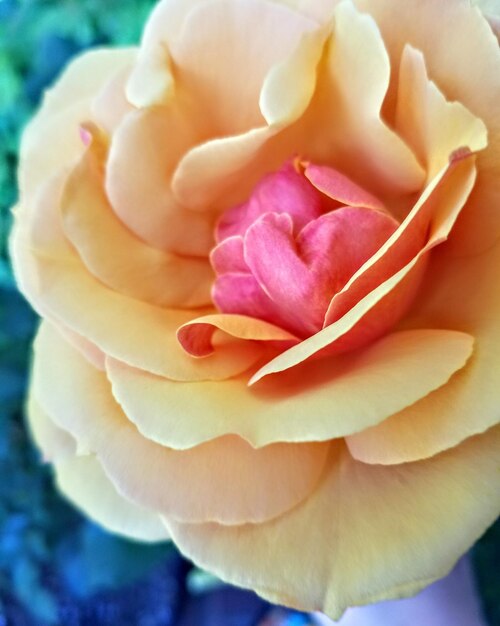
x=286 y=252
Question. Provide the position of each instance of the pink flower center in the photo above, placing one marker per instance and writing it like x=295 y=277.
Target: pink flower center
x=284 y=254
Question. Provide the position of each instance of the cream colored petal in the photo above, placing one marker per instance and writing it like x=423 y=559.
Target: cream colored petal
x=116 y=257
x=347 y=130
x=211 y=170
x=151 y=82
x=188 y=485
x=322 y=400
x=259 y=34
x=433 y=127
x=110 y=105
x=464 y=295
x=366 y=534
x=51 y=139
x=448 y=200
x=139 y=189
x=83 y=481
x=54 y=443
x=463 y=60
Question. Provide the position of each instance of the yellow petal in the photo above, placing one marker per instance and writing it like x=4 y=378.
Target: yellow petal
x=433 y=127
x=119 y=259
x=347 y=129
x=322 y=400
x=187 y=485
x=463 y=60
x=447 y=200
x=110 y=105
x=461 y=294
x=56 y=282
x=52 y=139
x=139 y=191
x=54 y=442
x=82 y=480
x=366 y=534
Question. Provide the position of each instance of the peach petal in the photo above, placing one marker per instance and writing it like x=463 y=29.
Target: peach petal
x=151 y=82
x=54 y=443
x=140 y=191
x=325 y=399
x=110 y=106
x=461 y=295
x=83 y=481
x=373 y=554
x=339 y=187
x=352 y=85
x=476 y=86
x=172 y=482
x=433 y=127
x=64 y=107
x=119 y=259
x=449 y=197
x=260 y=36
x=56 y=282
x=196 y=336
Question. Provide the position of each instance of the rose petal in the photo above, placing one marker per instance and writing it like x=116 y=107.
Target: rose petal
x=448 y=199
x=55 y=443
x=119 y=259
x=325 y=399
x=476 y=86
x=383 y=529
x=432 y=126
x=351 y=89
x=139 y=191
x=461 y=295
x=196 y=336
x=51 y=140
x=171 y=481
x=83 y=481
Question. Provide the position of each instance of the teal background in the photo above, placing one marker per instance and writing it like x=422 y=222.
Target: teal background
x=55 y=566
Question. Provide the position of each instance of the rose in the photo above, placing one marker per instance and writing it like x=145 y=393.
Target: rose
x=329 y=435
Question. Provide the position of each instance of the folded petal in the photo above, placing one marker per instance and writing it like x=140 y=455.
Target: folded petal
x=382 y=527
x=139 y=190
x=196 y=336
x=324 y=399
x=173 y=482
x=463 y=295
x=51 y=140
x=352 y=85
x=83 y=481
x=433 y=127
x=120 y=260
x=54 y=443
x=469 y=44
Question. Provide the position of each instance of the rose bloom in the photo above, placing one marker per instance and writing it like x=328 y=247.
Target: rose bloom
x=265 y=249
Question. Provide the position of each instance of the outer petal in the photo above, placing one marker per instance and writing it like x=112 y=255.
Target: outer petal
x=51 y=140
x=462 y=295
x=83 y=481
x=463 y=59
x=55 y=443
x=379 y=532
x=173 y=482
x=325 y=399
x=118 y=258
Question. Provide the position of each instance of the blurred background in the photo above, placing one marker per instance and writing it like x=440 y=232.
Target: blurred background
x=55 y=566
